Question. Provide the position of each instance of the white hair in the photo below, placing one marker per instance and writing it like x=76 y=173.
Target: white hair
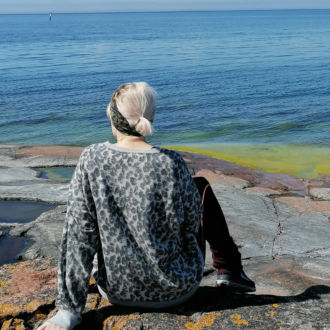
x=136 y=102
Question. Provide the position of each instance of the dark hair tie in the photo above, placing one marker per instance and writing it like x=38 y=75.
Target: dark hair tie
x=119 y=121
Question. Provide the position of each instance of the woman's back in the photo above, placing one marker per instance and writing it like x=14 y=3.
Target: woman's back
x=144 y=213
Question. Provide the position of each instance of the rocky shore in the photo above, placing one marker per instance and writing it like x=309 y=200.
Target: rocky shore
x=281 y=223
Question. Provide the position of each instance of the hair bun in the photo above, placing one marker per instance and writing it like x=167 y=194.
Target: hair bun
x=143 y=126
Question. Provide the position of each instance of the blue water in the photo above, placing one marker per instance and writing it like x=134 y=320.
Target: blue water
x=260 y=77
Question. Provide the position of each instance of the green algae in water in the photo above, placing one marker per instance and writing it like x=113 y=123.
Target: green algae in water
x=303 y=161
x=57 y=173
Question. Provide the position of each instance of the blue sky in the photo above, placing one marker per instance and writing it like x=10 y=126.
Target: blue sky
x=42 y=6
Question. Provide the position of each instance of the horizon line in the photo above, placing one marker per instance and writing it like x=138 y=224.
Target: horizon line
x=157 y=11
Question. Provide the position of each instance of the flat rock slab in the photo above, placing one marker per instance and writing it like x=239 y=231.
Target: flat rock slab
x=36 y=161
x=304 y=204
x=288 y=275
x=69 y=152
x=303 y=234
x=264 y=226
x=42 y=192
x=252 y=220
x=33 y=156
x=16 y=174
x=28 y=291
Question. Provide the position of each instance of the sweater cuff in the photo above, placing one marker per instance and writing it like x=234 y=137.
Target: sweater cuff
x=65 y=319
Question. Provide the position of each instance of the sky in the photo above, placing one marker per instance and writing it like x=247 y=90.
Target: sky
x=44 y=6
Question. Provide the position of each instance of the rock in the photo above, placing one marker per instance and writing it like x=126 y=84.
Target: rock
x=131 y=321
x=36 y=161
x=252 y=220
x=266 y=192
x=225 y=180
x=300 y=204
x=233 y=182
x=16 y=324
x=27 y=293
x=302 y=234
x=44 y=234
x=39 y=156
x=322 y=181
x=15 y=174
x=288 y=275
x=320 y=193
x=211 y=176
x=287 y=298
x=282 y=182
x=43 y=192
x=5 y=225
x=68 y=152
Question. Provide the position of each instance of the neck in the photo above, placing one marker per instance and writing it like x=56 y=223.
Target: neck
x=132 y=142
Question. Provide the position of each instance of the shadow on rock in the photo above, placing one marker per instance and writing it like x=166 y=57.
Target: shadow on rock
x=207 y=299
x=222 y=299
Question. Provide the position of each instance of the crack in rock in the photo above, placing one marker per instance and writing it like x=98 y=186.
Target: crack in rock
x=317 y=252
x=279 y=228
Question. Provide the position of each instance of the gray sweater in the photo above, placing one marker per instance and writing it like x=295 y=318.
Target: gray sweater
x=136 y=212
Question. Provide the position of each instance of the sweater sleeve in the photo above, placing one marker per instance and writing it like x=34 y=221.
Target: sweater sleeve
x=65 y=319
x=191 y=200
x=79 y=244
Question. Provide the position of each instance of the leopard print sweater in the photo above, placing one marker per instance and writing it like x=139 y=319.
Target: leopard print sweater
x=137 y=212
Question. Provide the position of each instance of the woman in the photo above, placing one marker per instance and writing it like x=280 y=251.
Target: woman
x=135 y=210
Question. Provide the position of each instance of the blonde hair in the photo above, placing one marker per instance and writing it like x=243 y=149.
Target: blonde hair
x=136 y=102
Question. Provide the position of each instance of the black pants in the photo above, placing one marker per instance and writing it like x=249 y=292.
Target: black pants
x=214 y=230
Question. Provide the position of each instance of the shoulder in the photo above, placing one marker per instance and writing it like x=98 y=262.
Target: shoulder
x=171 y=154
x=175 y=158
x=90 y=152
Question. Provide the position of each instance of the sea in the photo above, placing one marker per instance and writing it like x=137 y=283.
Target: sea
x=251 y=87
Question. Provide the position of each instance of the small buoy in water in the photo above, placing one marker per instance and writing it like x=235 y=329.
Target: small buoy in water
x=50 y=16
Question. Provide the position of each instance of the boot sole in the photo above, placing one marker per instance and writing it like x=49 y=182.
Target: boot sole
x=236 y=286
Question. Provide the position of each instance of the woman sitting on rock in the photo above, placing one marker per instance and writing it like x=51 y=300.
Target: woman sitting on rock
x=135 y=210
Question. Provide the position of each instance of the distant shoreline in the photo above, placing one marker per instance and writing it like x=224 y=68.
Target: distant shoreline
x=167 y=11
